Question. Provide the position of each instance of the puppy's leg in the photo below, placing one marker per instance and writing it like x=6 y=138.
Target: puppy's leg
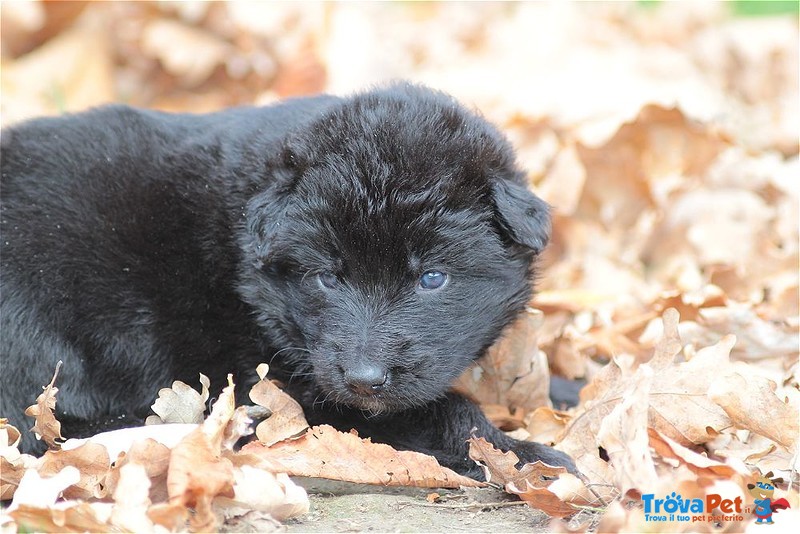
x=440 y=429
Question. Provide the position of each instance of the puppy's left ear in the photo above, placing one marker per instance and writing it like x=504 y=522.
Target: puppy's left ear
x=522 y=216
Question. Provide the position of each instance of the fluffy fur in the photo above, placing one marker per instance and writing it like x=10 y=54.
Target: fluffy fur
x=141 y=247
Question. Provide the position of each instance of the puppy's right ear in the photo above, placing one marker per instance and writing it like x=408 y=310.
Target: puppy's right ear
x=522 y=216
x=266 y=211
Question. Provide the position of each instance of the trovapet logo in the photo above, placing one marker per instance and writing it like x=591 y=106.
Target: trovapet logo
x=674 y=507
x=715 y=508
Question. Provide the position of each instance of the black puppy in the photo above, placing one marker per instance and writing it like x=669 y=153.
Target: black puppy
x=369 y=248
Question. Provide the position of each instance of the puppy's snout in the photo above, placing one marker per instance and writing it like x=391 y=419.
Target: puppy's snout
x=366 y=378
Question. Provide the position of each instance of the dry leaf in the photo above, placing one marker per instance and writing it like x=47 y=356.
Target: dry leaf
x=531 y=482
x=257 y=488
x=180 y=404
x=513 y=372
x=71 y=72
x=623 y=434
x=81 y=517
x=92 y=462
x=327 y=453
x=701 y=465
x=752 y=404
x=188 y=53
x=13 y=464
x=120 y=441
x=547 y=425
x=153 y=457
x=197 y=472
x=131 y=499
x=35 y=490
x=287 y=417
x=47 y=427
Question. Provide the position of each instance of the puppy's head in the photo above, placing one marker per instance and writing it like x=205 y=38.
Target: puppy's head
x=394 y=245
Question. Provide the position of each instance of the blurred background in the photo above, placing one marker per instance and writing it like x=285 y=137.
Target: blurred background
x=665 y=134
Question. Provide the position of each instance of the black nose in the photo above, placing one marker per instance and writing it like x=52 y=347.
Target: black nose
x=366 y=379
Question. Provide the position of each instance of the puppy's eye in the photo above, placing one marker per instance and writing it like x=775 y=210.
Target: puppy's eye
x=327 y=279
x=432 y=280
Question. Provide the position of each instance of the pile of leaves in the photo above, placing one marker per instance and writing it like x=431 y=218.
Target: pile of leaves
x=666 y=141
x=181 y=470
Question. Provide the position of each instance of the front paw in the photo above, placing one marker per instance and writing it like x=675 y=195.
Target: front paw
x=530 y=451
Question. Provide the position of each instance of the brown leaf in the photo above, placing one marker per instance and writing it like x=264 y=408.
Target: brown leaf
x=702 y=465
x=547 y=425
x=47 y=427
x=514 y=372
x=623 y=434
x=83 y=517
x=531 y=482
x=12 y=463
x=327 y=453
x=257 y=488
x=92 y=462
x=120 y=441
x=186 y=52
x=679 y=407
x=287 y=417
x=180 y=404
x=197 y=472
x=131 y=499
x=71 y=72
x=752 y=404
x=153 y=457
x=172 y=517
x=35 y=490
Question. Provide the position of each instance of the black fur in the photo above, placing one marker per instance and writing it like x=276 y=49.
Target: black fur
x=140 y=247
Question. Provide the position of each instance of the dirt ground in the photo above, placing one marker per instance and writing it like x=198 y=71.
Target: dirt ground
x=344 y=507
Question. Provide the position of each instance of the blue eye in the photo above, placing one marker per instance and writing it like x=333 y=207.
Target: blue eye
x=432 y=280
x=327 y=279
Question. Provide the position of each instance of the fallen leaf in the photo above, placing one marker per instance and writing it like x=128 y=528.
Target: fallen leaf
x=751 y=403
x=35 y=490
x=186 y=52
x=287 y=417
x=623 y=434
x=702 y=465
x=154 y=458
x=531 y=482
x=514 y=372
x=80 y=517
x=197 y=472
x=131 y=499
x=327 y=453
x=92 y=462
x=181 y=403
x=547 y=425
x=47 y=427
x=259 y=489
x=71 y=72
x=13 y=464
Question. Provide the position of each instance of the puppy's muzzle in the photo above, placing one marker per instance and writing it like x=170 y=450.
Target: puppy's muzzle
x=366 y=379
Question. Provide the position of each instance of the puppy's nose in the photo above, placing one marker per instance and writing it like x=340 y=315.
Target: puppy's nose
x=366 y=379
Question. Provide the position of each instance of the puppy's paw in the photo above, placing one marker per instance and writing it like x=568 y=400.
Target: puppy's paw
x=529 y=452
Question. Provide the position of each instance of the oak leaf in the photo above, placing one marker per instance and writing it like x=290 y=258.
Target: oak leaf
x=180 y=403
x=287 y=418
x=327 y=453
x=47 y=427
x=532 y=482
x=92 y=462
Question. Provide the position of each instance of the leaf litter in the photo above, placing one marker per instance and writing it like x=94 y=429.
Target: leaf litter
x=666 y=142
